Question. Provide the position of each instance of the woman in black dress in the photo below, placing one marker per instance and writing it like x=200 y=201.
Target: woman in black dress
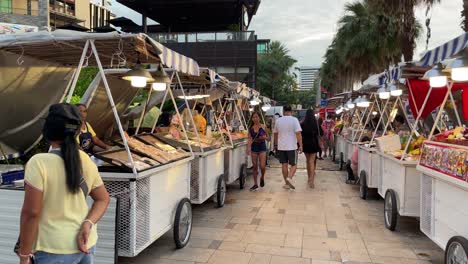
x=310 y=140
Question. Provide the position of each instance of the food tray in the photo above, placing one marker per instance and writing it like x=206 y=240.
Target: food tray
x=123 y=158
x=181 y=144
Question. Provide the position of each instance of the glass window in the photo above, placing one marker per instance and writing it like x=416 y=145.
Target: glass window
x=5 y=6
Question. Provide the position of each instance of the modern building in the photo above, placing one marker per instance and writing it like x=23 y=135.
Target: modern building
x=308 y=78
x=263 y=46
x=214 y=33
x=72 y=14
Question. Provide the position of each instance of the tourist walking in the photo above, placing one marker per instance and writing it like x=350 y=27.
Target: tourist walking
x=56 y=224
x=321 y=140
x=288 y=143
x=310 y=139
x=328 y=127
x=257 y=148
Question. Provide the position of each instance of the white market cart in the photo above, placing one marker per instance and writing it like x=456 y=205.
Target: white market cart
x=152 y=201
x=399 y=181
x=444 y=186
x=235 y=158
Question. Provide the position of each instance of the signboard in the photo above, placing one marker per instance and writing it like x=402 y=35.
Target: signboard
x=323 y=103
x=449 y=160
x=6 y=28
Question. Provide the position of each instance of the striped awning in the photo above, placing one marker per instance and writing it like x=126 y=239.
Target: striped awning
x=448 y=50
x=176 y=60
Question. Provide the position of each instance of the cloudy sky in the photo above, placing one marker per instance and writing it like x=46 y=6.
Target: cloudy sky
x=307 y=26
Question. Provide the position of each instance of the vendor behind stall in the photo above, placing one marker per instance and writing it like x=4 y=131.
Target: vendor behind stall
x=87 y=139
x=200 y=121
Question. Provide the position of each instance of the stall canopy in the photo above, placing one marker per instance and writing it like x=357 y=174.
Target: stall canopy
x=36 y=70
x=446 y=51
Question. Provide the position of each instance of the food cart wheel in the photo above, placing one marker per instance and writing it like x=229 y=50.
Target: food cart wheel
x=183 y=223
x=456 y=250
x=363 y=189
x=390 y=210
x=220 y=195
x=242 y=176
x=341 y=161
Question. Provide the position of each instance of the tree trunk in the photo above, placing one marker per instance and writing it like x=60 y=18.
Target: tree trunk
x=409 y=21
x=465 y=16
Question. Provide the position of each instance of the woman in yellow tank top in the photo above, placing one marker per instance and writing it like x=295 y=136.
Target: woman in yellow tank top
x=56 y=223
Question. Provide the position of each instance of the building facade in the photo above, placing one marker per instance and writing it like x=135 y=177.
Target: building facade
x=309 y=76
x=56 y=13
x=214 y=33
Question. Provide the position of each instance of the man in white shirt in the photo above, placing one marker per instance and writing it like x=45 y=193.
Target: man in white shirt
x=288 y=142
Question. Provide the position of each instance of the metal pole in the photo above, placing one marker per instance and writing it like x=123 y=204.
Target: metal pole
x=380 y=121
x=144 y=111
x=114 y=109
x=440 y=110
x=168 y=87
x=456 y=109
x=190 y=112
x=78 y=71
x=182 y=124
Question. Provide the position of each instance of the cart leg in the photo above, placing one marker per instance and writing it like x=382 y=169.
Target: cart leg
x=390 y=210
x=341 y=161
x=183 y=223
x=456 y=250
x=334 y=153
x=242 y=176
x=363 y=189
x=220 y=195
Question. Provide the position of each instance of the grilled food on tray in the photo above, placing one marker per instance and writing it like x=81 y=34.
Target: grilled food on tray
x=157 y=143
x=151 y=151
x=121 y=158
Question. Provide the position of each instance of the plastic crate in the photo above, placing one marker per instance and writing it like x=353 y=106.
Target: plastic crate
x=11 y=176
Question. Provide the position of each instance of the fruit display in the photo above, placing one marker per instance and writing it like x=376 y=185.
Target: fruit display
x=414 y=149
x=457 y=136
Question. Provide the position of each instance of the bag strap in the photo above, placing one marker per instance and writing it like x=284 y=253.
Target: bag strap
x=83 y=185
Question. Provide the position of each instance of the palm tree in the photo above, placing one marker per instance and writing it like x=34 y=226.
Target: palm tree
x=403 y=10
x=365 y=43
x=464 y=14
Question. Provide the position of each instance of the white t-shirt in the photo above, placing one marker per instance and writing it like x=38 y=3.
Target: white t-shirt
x=287 y=127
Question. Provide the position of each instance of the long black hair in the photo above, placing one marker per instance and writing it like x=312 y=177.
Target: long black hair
x=310 y=123
x=62 y=125
x=251 y=118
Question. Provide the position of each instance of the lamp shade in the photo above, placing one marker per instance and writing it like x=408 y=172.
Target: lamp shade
x=266 y=107
x=437 y=78
x=363 y=102
x=383 y=93
x=138 y=76
x=459 y=68
x=394 y=90
x=159 y=86
x=350 y=104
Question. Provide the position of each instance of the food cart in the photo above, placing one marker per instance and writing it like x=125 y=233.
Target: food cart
x=207 y=169
x=399 y=181
x=152 y=190
x=443 y=163
x=235 y=158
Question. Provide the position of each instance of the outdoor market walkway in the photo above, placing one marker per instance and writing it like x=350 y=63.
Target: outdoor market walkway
x=329 y=224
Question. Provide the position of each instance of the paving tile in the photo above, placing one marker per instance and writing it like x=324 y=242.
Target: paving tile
x=316 y=254
x=215 y=244
x=273 y=250
x=190 y=254
x=265 y=238
x=332 y=234
x=319 y=243
x=233 y=246
x=230 y=257
x=230 y=226
x=255 y=221
x=200 y=243
x=289 y=260
x=293 y=240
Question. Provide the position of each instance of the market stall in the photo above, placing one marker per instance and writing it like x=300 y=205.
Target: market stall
x=443 y=163
x=207 y=169
x=235 y=158
x=150 y=181
x=399 y=181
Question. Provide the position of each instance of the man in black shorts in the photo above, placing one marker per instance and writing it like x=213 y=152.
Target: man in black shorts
x=287 y=138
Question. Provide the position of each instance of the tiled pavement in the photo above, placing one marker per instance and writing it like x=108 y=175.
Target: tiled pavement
x=329 y=224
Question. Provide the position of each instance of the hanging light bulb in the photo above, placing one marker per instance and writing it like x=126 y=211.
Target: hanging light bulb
x=363 y=102
x=254 y=101
x=350 y=104
x=161 y=80
x=138 y=76
x=251 y=109
x=374 y=113
x=394 y=90
x=266 y=107
x=436 y=76
x=383 y=93
x=459 y=68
